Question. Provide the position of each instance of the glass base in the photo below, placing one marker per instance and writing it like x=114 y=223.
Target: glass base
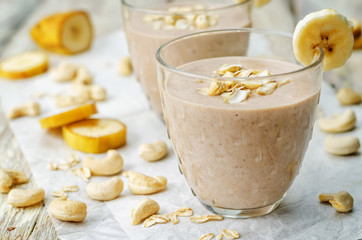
x=243 y=213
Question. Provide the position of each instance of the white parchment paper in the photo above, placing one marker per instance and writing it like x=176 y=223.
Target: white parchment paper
x=300 y=215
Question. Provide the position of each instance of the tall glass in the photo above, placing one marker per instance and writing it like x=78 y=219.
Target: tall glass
x=148 y=24
x=239 y=159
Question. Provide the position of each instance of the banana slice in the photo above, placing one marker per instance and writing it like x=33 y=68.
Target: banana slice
x=256 y=3
x=64 y=33
x=70 y=116
x=356 y=27
x=95 y=135
x=357 y=43
x=24 y=65
x=326 y=29
x=260 y=3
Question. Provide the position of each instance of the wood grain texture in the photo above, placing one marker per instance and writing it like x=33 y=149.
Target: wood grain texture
x=20 y=223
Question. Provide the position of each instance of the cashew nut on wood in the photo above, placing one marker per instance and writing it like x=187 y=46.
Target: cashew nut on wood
x=110 y=165
x=104 y=191
x=27 y=109
x=68 y=210
x=25 y=197
x=18 y=177
x=5 y=182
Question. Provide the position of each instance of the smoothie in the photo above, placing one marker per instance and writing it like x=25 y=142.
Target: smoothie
x=146 y=32
x=243 y=155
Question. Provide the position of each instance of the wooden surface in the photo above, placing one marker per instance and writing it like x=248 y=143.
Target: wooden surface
x=34 y=222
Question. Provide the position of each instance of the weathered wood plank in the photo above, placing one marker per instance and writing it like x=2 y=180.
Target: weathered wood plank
x=20 y=223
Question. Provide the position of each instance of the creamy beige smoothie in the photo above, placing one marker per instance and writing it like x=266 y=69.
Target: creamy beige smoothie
x=147 y=31
x=243 y=155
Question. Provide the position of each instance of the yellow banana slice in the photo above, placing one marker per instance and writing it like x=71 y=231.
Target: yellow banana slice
x=256 y=3
x=64 y=33
x=356 y=27
x=357 y=43
x=95 y=135
x=70 y=116
x=260 y=3
x=24 y=65
x=326 y=29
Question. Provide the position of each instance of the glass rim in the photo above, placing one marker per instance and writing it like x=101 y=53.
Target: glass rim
x=163 y=12
x=316 y=62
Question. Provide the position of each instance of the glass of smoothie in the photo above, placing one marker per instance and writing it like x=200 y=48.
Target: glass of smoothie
x=239 y=112
x=148 y=24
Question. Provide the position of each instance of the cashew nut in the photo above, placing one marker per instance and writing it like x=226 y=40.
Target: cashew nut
x=68 y=210
x=27 y=109
x=347 y=96
x=338 y=123
x=143 y=209
x=142 y=184
x=110 y=165
x=153 y=151
x=63 y=72
x=94 y=92
x=69 y=100
x=25 y=197
x=342 y=145
x=83 y=76
x=5 y=182
x=104 y=191
x=342 y=201
x=17 y=177
x=125 y=66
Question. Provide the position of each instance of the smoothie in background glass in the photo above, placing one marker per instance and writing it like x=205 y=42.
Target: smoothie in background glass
x=240 y=122
x=148 y=24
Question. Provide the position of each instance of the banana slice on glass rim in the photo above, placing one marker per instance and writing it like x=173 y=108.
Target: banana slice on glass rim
x=326 y=29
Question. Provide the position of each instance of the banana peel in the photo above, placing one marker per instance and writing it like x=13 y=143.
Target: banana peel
x=95 y=135
x=64 y=33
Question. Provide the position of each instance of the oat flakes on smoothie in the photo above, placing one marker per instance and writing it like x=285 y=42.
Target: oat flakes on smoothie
x=183 y=17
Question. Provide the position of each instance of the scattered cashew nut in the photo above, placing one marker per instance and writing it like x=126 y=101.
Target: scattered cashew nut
x=347 y=96
x=342 y=201
x=25 y=197
x=338 y=123
x=110 y=165
x=63 y=72
x=69 y=100
x=342 y=145
x=5 y=182
x=83 y=76
x=91 y=92
x=27 y=109
x=125 y=66
x=139 y=183
x=17 y=177
x=68 y=210
x=143 y=209
x=104 y=191
x=153 y=151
